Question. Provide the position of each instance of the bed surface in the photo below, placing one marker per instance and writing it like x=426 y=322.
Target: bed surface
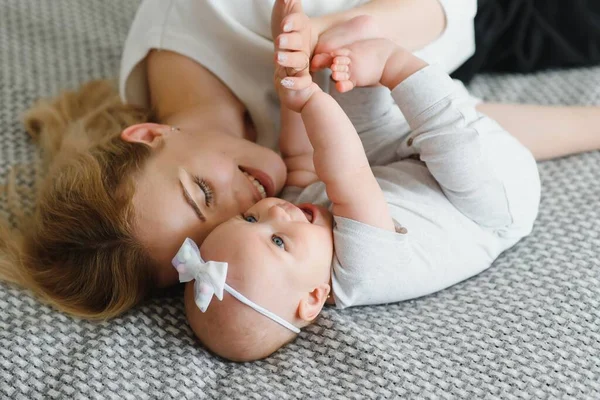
x=529 y=327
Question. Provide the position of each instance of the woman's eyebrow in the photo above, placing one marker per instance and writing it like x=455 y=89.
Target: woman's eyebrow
x=192 y=203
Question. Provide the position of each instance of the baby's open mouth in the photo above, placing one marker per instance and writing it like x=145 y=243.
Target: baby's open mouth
x=308 y=213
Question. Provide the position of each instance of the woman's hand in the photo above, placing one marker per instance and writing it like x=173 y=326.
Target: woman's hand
x=293 y=42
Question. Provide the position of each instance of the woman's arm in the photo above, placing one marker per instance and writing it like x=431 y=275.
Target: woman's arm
x=413 y=24
x=439 y=31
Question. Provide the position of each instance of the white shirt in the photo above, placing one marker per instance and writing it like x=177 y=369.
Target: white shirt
x=232 y=39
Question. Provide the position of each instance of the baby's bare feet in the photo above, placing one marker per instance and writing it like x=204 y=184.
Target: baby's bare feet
x=373 y=62
x=361 y=63
x=358 y=28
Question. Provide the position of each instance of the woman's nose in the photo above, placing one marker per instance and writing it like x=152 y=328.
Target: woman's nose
x=231 y=193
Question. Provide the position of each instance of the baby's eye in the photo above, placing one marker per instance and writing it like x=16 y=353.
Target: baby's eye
x=278 y=241
x=250 y=219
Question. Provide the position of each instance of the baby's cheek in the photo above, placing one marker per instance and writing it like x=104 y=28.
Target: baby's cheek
x=218 y=243
x=325 y=245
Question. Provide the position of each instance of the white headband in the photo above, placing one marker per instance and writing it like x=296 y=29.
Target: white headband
x=210 y=280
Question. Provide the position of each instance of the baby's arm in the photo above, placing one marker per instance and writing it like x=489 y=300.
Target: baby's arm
x=296 y=150
x=339 y=158
x=341 y=163
x=334 y=152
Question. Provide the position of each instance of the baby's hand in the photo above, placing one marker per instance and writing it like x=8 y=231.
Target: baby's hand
x=292 y=77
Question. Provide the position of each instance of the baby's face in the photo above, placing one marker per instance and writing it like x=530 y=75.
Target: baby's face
x=274 y=244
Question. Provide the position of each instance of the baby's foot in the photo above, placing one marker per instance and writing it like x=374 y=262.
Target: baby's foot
x=358 y=28
x=361 y=64
x=373 y=62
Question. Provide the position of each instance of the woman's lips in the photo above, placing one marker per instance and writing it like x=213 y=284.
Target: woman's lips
x=264 y=179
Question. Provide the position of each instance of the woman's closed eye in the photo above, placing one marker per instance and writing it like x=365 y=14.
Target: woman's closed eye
x=206 y=189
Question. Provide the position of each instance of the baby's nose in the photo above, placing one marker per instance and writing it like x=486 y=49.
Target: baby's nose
x=278 y=213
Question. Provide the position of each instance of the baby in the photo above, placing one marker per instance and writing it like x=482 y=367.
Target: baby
x=381 y=217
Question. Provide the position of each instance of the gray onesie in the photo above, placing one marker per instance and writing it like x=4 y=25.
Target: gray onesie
x=473 y=194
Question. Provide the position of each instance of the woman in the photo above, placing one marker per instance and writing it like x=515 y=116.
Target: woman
x=123 y=193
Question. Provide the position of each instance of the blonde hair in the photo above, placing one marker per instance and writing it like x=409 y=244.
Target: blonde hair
x=78 y=251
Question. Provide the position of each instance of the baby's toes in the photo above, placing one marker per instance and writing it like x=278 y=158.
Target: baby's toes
x=344 y=86
x=340 y=76
x=340 y=67
x=342 y=60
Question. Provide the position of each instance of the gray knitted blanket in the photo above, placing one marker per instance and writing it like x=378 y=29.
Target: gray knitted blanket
x=529 y=327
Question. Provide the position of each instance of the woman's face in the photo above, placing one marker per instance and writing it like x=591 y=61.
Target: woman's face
x=192 y=183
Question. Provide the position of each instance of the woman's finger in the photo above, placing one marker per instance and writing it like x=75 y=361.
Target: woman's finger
x=297 y=60
x=294 y=22
x=290 y=41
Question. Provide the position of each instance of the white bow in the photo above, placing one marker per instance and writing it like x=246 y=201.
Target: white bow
x=210 y=280
x=209 y=275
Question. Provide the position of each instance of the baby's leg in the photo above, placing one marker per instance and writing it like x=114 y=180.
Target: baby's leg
x=484 y=171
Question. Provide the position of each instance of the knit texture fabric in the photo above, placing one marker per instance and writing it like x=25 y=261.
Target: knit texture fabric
x=529 y=327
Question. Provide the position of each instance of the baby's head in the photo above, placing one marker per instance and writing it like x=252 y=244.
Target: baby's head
x=279 y=257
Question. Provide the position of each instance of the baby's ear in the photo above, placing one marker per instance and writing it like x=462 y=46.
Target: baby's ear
x=310 y=306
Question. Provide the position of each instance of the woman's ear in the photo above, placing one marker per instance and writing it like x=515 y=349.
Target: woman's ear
x=148 y=133
x=310 y=307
